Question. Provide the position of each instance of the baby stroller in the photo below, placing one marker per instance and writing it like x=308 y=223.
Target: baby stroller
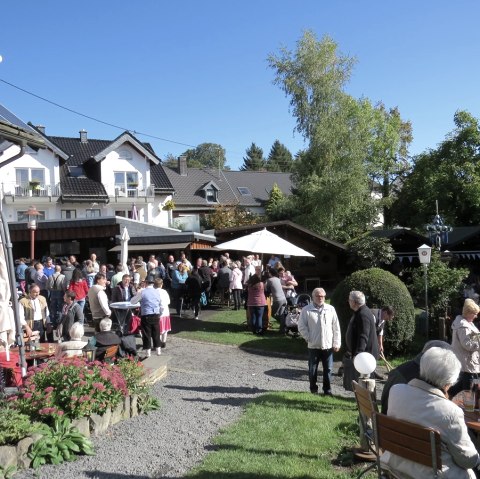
x=292 y=314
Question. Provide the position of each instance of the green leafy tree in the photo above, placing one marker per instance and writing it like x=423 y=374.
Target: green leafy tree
x=279 y=158
x=206 y=155
x=331 y=184
x=445 y=284
x=170 y=160
x=449 y=174
x=254 y=159
x=370 y=252
x=388 y=161
x=229 y=216
x=278 y=206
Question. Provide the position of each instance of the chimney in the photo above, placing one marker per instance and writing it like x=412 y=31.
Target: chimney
x=182 y=165
x=83 y=136
x=41 y=129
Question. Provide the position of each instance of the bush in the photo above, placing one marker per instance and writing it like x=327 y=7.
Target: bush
x=14 y=425
x=381 y=288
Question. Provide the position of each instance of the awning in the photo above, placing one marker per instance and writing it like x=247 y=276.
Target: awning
x=151 y=247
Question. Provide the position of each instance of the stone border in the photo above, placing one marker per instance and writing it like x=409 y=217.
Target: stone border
x=93 y=425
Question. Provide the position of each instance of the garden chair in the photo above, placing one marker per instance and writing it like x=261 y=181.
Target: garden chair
x=407 y=440
x=110 y=354
x=367 y=407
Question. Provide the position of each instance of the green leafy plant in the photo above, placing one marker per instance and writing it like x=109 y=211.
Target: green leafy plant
x=7 y=472
x=169 y=205
x=14 y=425
x=147 y=402
x=133 y=372
x=381 y=288
x=71 y=387
x=59 y=443
x=369 y=251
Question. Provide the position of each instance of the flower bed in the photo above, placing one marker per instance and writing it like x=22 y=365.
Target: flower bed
x=93 y=395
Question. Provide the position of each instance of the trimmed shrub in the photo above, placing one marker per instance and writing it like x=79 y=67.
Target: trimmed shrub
x=381 y=288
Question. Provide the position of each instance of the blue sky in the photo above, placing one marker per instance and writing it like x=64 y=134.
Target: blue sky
x=196 y=71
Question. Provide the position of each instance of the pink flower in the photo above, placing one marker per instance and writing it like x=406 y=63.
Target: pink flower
x=49 y=389
x=27 y=395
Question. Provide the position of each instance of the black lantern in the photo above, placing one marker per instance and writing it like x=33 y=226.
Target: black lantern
x=89 y=352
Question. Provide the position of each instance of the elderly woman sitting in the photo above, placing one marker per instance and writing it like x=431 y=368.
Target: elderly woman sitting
x=424 y=401
x=75 y=345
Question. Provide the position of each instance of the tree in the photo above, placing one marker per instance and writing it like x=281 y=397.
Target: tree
x=449 y=174
x=370 y=252
x=229 y=216
x=206 y=155
x=331 y=185
x=254 y=160
x=170 y=160
x=388 y=161
x=278 y=206
x=279 y=158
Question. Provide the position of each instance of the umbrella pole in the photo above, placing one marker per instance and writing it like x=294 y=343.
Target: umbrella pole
x=5 y=235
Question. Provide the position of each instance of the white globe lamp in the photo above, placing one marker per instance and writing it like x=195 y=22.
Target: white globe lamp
x=365 y=363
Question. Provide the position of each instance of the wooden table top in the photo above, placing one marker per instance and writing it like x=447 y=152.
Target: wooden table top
x=47 y=350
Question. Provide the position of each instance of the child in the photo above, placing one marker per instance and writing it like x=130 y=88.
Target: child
x=165 y=325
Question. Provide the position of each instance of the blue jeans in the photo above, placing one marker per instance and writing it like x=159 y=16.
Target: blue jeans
x=314 y=358
x=256 y=317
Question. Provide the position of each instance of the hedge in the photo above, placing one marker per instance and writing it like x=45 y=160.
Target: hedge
x=381 y=288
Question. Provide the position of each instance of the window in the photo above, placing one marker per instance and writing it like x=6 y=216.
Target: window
x=23 y=176
x=76 y=171
x=122 y=213
x=22 y=215
x=92 y=213
x=126 y=182
x=211 y=194
x=69 y=214
x=124 y=154
x=244 y=191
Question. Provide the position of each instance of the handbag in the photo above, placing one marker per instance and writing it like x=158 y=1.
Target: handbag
x=134 y=327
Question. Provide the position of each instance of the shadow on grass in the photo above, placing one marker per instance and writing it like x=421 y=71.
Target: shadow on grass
x=239 y=475
x=218 y=389
x=317 y=404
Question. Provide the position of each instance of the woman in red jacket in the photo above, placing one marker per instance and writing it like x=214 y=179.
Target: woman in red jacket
x=79 y=285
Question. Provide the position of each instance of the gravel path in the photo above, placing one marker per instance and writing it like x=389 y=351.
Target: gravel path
x=205 y=389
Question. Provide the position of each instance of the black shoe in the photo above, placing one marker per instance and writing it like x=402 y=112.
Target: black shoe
x=328 y=393
x=163 y=345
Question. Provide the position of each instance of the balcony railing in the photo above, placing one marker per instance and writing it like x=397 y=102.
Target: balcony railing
x=28 y=191
x=122 y=192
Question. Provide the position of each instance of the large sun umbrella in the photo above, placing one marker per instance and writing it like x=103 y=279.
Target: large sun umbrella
x=7 y=323
x=124 y=249
x=263 y=242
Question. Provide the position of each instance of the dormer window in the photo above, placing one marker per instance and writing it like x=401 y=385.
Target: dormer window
x=76 y=171
x=211 y=194
x=124 y=154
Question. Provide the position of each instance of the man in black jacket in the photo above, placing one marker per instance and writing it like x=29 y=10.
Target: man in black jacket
x=361 y=333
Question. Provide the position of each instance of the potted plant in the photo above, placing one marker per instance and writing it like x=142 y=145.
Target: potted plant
x=169 y=205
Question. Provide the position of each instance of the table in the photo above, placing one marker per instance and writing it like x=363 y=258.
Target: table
x=47 y=351
x=121 y=312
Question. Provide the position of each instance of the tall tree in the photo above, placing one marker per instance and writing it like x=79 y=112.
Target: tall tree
x=206 y=155
x=388 y=161
x=449 y=174
x=254 y=159
x=332 y=188
x=279 y=158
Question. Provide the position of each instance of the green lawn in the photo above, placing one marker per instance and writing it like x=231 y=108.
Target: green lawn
x=287 y=435
x=229 y=327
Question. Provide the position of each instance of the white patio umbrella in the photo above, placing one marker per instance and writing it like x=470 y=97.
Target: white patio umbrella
x=264 y=241
x=7 y=321
x=124 y=249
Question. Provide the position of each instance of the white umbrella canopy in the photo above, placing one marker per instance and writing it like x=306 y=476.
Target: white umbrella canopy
x=124 y=249
x=264 y=242
x=7 y=321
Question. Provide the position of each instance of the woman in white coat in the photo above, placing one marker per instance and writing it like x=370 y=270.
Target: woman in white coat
x=466 y=345
x=425 y=402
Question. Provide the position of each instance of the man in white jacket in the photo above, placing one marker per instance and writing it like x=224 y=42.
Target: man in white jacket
x=319 y=326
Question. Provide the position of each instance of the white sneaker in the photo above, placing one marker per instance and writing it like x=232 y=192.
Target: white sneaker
x=159 y=351
x=196 y=317
x=149 y=352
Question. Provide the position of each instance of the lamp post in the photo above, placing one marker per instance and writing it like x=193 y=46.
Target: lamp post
x=424 y=255
x=32 y=214
x=438 y=230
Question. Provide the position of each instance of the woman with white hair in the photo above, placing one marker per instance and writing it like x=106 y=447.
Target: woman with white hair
x=75 y=345
x=424 y=401
x=466 y=345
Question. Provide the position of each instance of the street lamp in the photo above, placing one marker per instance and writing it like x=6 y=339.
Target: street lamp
x=32 y=214
x=424 y=255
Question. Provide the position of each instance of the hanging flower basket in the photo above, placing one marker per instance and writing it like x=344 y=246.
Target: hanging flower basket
x=34 y=185
x=169 y=205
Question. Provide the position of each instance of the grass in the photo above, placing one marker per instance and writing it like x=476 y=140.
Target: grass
x=281 y=434
x=229 y=327
x=287 y=435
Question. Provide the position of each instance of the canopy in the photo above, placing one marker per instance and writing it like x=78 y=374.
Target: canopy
x=264 y=242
